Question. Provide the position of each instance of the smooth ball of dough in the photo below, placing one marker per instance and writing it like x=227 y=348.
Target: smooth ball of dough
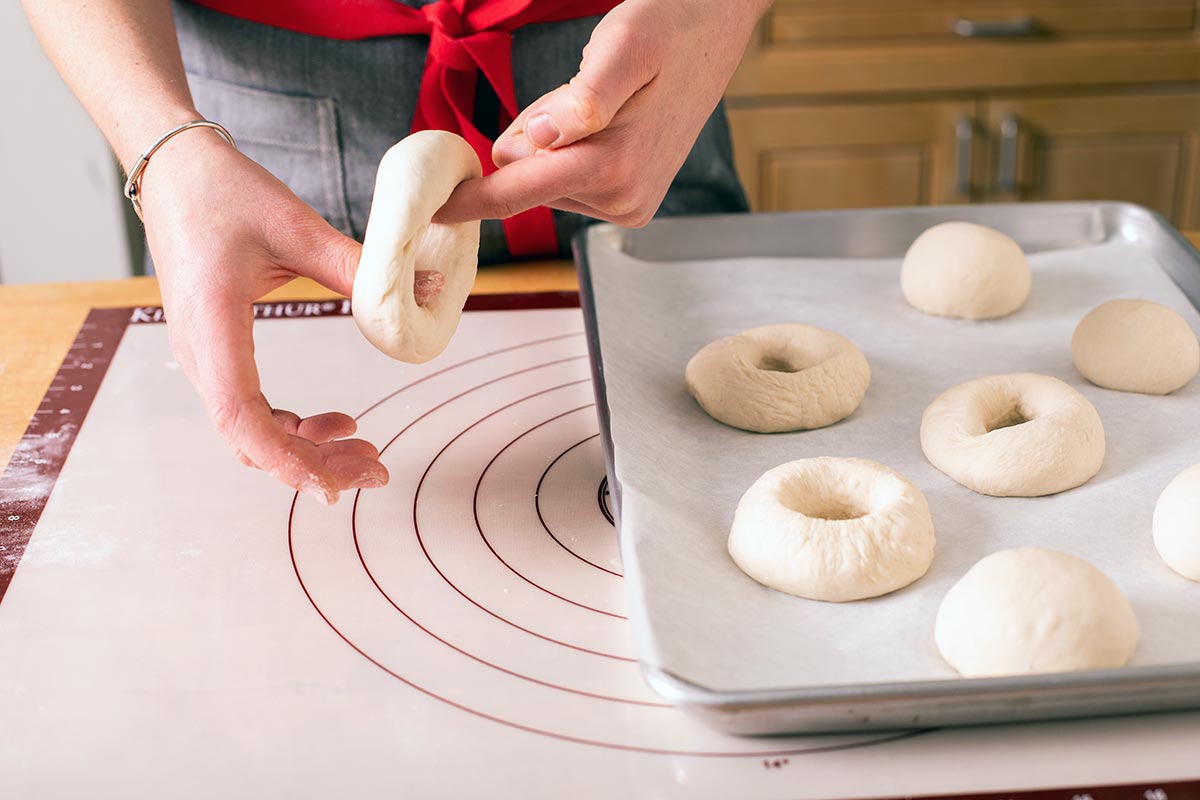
x=779 y=378
x=1177 y=523
x=832 y=529
x=1021 y=435
x=1034 y=610
x=1135 y=346
x=960 y=269
x=415 y=178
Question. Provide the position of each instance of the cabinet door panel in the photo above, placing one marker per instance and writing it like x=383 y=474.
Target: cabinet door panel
x=1141 y=148
x=808 y=157
x=809 y=180
x=1144 y=172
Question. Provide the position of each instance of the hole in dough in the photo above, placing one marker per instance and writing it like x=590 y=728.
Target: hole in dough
x=1010 y=419
x=787 y=359
x=822 y=502
x=427 y=285
x=772 y=363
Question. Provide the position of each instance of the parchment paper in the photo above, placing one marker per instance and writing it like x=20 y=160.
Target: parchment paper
x=700 y=618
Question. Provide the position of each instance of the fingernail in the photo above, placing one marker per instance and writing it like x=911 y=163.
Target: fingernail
x=320 y=495
x=369 y=483
x=513 y=148
x=542 y=131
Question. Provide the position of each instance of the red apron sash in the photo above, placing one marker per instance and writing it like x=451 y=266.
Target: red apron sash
x=466 y=37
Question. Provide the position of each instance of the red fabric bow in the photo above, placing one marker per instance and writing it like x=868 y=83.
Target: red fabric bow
x=466 y=37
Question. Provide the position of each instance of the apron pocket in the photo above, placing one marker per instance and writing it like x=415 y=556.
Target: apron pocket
x=295 y=137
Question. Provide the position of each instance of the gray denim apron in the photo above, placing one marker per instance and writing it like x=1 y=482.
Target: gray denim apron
x=320 y=113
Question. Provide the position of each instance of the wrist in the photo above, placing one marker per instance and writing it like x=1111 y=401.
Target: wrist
x=134 y=137
x=181 y=164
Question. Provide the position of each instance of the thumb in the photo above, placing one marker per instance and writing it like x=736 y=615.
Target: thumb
x=331 y=258
x=611 y=72
x=317 y=250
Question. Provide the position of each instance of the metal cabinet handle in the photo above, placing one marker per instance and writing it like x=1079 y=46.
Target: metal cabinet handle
x=1006 y=170
x=993 y=29
x=964 y=139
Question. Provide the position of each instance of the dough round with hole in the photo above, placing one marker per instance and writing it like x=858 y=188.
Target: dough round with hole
x=1135 y=346
x=779 y=378
x=960 y=269
x=1034 y=610
x=1177 y=523
x=415 y=178
x=832 y=529
x=1021 y=435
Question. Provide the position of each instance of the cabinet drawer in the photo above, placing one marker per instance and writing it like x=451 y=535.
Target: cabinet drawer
x=815 y=21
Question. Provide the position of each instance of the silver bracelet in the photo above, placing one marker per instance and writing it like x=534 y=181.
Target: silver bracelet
x=133 y=184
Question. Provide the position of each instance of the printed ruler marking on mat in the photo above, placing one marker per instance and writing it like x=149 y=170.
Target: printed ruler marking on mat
x=341 y=307
x=33 y=470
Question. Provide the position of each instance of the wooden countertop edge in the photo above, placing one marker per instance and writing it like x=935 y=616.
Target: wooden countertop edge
x=534 y=276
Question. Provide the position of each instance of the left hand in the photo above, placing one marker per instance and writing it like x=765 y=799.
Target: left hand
x=609 y=143
x=224 y=232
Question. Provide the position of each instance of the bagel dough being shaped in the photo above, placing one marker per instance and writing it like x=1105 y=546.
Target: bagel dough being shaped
x=415 y=178
x=779 y=378
x=1034 y=610
x=832 y=529
x=1177 y=523
x=960 y=269
x=1019 y=435
x=1135 y=346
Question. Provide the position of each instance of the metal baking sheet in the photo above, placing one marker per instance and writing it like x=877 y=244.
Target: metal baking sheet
x=751 y=660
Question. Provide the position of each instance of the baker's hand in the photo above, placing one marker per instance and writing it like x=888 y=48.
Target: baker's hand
x=609 y=143
x=223 y=232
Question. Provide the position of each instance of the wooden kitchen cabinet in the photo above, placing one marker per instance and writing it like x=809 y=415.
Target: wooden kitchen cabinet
x=812 y=21
x=853 y=103
x=1144 y=148
x=857 y=156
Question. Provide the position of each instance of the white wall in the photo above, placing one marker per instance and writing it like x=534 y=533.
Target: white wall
x=61 y=215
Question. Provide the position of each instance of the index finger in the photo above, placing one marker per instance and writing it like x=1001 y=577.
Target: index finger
x=535 y=181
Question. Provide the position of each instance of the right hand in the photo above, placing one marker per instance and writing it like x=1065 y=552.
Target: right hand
x=223 y=232
x=609 y=143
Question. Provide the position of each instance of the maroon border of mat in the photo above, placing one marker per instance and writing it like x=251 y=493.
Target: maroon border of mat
x=38 y=459
x=1178 y=790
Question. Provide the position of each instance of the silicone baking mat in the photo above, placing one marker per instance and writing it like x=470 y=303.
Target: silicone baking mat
x=173 y=624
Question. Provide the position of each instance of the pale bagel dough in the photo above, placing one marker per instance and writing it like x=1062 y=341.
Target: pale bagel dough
x=1034 y=610
x=415 y=178
x=832 y=529
x=779 y=378
x=1177 y=523
x=1135 y=346
x=1014 y=435
x=959 y=269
